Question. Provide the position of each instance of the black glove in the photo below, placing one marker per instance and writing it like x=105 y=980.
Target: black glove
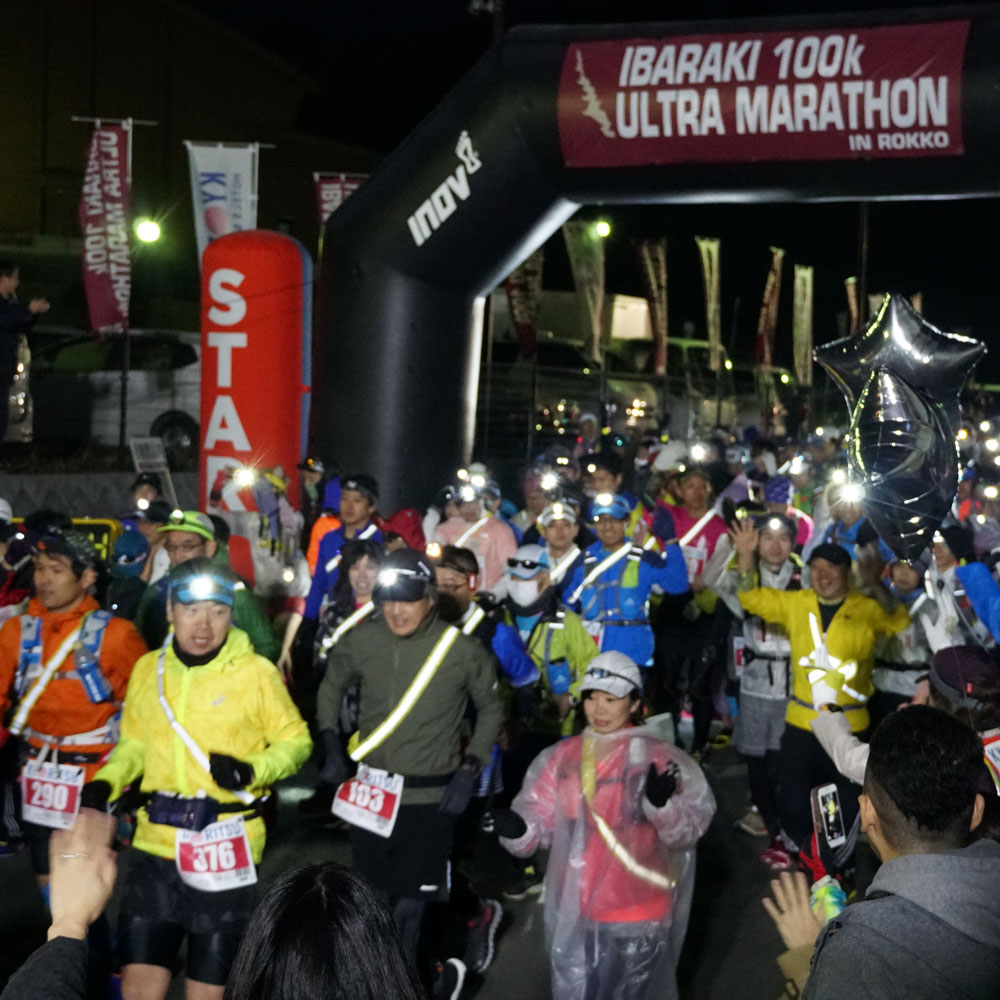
x=230 y=773
x=95 y=795
x=335 y=769
x=525 y=702
x=509 y=824
x=460 y=788
x=661 y=785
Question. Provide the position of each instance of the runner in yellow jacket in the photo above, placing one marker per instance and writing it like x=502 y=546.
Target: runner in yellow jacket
x=210 y=726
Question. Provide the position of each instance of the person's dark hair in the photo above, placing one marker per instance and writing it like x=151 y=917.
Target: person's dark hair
x=47 y=522
x=459 y=559
x=924 y=771
x=321 y=931
x=353 y=552
x=8 y=267
x=222 y=531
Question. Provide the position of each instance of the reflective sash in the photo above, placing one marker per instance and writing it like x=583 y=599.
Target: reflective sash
x=474 y=619
x=347 y=624
x=469 y=532
x=606 y=563
x=820 y=647
x=417 y=687
x=557 y=572
x=28 y=702
x=588 y=782
x=692 y=533
x=332 y=564
x=201 y=758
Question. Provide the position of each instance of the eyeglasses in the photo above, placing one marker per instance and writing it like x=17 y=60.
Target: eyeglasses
x=525 y=564
x=183 y=546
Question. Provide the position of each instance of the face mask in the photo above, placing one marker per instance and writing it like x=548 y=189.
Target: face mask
x=524 y=595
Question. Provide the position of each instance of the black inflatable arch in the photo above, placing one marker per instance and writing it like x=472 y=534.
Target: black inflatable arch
x=483 y=181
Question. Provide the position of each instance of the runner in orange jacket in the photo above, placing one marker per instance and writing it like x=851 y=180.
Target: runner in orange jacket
x=73 y=719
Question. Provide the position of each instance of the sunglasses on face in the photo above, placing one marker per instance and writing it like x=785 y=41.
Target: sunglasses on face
x=525 y=564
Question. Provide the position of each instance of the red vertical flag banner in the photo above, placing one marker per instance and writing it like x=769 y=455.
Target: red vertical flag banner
x=256 y=352
x=332 y=190
x=586 y=261
x=104 y=222
x=652 y=254
x=709 y=248
x=524 y=297
x=767 y=323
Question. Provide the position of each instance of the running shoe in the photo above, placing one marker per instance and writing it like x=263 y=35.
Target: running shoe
x=448 y=979
x=777 y=858
x=481 y=936
x=526 y=882
x=750 y=822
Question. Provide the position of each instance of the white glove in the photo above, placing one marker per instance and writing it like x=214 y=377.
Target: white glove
x=823 y=694
x=941 y=634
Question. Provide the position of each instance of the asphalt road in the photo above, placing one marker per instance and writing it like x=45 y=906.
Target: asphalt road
x=729 y=952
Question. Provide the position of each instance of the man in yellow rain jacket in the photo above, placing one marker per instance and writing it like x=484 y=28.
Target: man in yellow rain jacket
x=832 y=631
x=210 y=726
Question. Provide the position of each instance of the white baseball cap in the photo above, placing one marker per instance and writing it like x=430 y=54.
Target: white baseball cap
x=614 y=673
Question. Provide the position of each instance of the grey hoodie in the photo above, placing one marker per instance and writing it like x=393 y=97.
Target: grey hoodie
x=928 y=929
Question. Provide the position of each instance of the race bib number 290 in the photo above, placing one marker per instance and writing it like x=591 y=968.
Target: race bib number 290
x=51 y=794
x=216 y=858
x=370 y=800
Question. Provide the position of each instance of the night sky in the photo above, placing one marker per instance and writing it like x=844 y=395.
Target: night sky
x=379 y=68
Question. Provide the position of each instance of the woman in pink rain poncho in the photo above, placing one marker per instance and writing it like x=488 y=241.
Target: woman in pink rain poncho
x=621 y=811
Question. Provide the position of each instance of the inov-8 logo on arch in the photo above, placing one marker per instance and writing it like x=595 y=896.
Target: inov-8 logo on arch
x=442 y=203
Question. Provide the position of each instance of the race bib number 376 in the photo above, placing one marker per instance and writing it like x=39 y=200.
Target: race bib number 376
x=216 y=858
x=51 y=793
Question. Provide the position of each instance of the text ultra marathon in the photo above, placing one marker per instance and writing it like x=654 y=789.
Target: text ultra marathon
x=813 y=101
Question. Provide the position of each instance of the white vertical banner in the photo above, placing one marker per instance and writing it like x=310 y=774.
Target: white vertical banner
x=802 y=324
x=223 y=188
x=708 y=248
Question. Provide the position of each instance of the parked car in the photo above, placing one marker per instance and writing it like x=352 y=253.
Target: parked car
x=76 y=385
x=19 y=403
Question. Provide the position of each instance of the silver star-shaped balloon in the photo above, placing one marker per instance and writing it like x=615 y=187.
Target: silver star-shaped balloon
x=901 y=340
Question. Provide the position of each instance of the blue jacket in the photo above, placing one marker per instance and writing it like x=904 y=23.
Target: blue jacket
x=621 y=594
x=983 y=593
x=328 y=567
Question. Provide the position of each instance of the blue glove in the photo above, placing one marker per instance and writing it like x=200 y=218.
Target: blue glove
x=663 y=524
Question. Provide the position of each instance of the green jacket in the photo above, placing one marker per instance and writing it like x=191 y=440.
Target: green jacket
x=248 y=614
x=427 y=741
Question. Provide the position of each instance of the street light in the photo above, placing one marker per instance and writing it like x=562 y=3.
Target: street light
x=146 y=230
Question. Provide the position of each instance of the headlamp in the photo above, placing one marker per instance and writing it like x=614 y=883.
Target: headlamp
x=774 y=524
x=604 y=500
x=591 y=468
x=992 y=444
x=142 y=503
x=244 y=476
x=201 y=587
x=985 y=426
x=562 y=460
x=388 y=577
x=991 y=492
x=433 y=550
x=467 y=494
x=549 y=481
x=558 y=511
x=478 y=481
x=838 y=477
x=698 y=453
x=288 y=574
x=852 y=493
x=462 y=474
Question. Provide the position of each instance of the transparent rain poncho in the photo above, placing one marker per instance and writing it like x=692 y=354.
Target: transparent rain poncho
x=620 y=873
